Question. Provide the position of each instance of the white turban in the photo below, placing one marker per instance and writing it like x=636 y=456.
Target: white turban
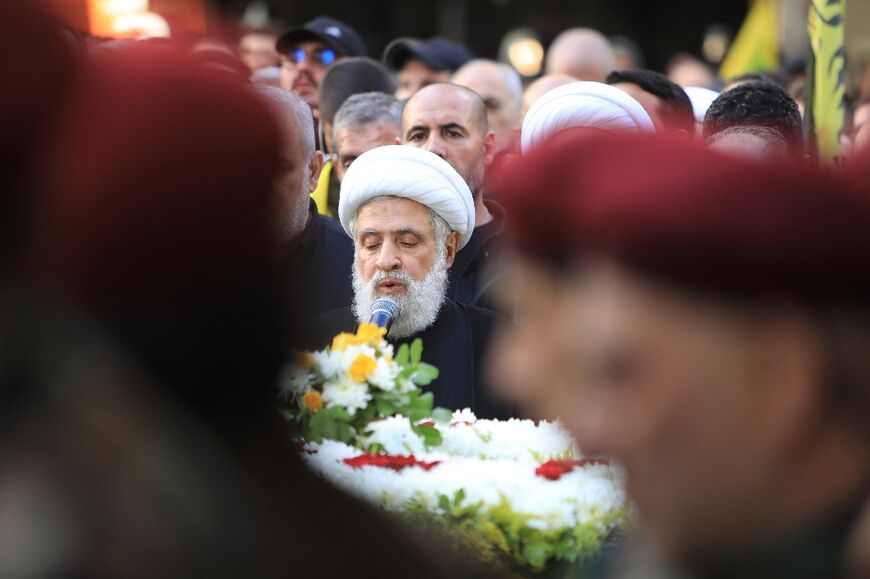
x=412 y=173
x=583 y=104
x=701 y=99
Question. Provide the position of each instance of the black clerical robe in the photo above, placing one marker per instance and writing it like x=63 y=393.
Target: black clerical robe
x=455 y=344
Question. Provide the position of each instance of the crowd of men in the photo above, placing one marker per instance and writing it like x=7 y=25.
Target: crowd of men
x=659 y=263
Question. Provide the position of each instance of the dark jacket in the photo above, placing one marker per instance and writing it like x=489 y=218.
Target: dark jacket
x=469 y=278
x=318 y=264
x=455 y=344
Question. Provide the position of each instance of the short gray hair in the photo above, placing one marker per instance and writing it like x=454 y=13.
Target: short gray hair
x=439 y=224
x=286 y=105
x=367 y=108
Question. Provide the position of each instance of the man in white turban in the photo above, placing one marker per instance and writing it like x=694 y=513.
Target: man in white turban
x=409 y=212
x=587 y=104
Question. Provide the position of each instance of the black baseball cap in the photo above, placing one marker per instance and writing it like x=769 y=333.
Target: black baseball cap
x=437 y=53
x=336 y=34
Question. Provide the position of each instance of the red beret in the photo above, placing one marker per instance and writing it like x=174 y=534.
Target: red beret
x=688 y=214
x=160 y=180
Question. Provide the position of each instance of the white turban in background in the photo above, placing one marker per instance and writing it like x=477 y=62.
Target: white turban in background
x=412 y=173
x=583 y=104
x=701 y=99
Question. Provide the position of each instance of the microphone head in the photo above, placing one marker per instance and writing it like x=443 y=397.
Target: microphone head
x=387 y=305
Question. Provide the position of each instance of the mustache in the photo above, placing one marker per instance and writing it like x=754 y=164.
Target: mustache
x=399 y=275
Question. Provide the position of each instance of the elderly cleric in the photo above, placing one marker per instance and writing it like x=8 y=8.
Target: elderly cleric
x=409 y=212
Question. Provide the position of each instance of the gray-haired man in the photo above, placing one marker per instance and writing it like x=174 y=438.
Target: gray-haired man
x=363 y=122
x=315 y=252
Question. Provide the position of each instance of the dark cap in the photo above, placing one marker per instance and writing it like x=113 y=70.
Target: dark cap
x=336 y=34
x=437 y=53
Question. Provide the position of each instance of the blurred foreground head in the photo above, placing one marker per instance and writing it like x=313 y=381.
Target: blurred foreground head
x=703 y=320
x=158 y=211
x=38 y=69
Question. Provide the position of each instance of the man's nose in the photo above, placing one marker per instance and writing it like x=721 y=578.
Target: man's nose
x=388 y=258
x=436 y=145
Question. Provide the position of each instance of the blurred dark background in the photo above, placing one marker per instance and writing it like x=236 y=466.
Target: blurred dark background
x=660 y=28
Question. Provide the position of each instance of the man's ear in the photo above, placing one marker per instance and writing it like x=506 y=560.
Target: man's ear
x=488 y=148
x=452 y=247
x=314 y=169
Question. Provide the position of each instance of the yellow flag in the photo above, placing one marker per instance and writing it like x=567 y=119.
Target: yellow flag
x=321 y=194
x=756 y=47
x=826 y=107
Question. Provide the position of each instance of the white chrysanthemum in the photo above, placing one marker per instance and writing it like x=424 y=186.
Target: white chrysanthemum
x=587 y=494
x=346 y=392
x=295 y=383
x=327 y=364
x=385 y=349
x=395 y=435
x=384 y=375
x=464 y=415
x=511 y=439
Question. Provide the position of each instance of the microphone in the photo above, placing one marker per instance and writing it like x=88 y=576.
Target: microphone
x=385 y=311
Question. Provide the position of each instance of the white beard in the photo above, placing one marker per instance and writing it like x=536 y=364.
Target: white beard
x=418 y=306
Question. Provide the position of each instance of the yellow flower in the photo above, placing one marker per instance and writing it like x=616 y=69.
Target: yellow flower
x=361 y=367
x=342 y=341
x=304 y=360
x=313 y=401
x=369 y=334
x=365 y=334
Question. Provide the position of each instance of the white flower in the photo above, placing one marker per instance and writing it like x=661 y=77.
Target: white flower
x=395 y=435
x=327 y=364
x=295 y=383
x=464 y=415
x=346 y=392
x=384 y=375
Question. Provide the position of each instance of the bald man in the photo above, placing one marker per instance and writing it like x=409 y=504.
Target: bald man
x=583 y=53
x=451 y=121
x=542 y=86
x=501 y=89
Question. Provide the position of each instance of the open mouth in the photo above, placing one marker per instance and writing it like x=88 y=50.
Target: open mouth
x=390 y=286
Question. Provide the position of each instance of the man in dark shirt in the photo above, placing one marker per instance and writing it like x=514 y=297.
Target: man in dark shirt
x=451 y=121
x=316 y=254
x=409 y=213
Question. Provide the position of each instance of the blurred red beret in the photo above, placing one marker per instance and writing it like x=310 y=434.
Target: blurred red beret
x=690 y=215
x=160 y=180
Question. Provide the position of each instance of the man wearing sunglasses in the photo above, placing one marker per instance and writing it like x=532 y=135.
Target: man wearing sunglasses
x=308 y=51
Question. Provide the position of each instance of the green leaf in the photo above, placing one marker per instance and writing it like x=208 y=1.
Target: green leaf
x=444 y=502
x=442 y=415
x=459 y=497
x=425 y=374
x=431 y=436
x=335 y=413
x=402 y=358
x=416 y=351
x=385 y=408
x=419 y=406
x=536 y=554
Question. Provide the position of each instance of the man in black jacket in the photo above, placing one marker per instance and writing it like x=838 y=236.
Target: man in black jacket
x=409 y=213
x=451 y=121
x=314 y=249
